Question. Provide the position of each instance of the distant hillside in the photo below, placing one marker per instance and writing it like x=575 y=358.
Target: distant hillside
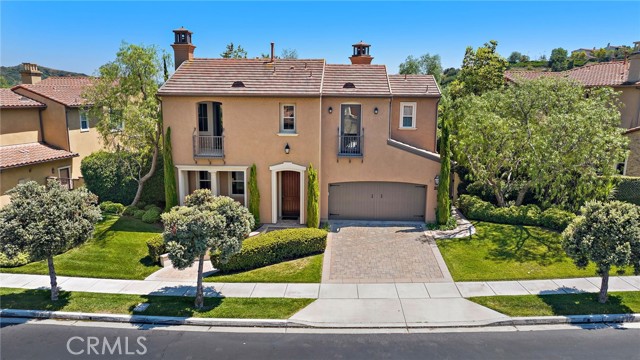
x=12 y=73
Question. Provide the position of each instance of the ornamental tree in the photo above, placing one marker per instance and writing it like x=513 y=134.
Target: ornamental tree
x=170 y=188
x=254 y=194
x=607 y=234
x=482 y=70
x=313 y=195
x=206 y=222
x=46 y=220
x=444 y=201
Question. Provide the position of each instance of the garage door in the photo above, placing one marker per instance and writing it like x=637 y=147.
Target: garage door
x=377 y=201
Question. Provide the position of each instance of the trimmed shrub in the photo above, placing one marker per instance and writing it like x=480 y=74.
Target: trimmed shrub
x=138 y=214
x=313 y=195
x=272 y=248
x=152 y=215
x=129 y=210
x=21 y=258
x=254 y=196
x=150 y=206
x=628 y=189
x=476 y=209
x=156 y=247
x=556 y=219
x=110 y=207
x=141 y=205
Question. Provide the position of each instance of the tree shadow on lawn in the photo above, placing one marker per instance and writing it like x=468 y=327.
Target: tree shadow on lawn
x=520 y=245
x=585 y=304
x=39 y=299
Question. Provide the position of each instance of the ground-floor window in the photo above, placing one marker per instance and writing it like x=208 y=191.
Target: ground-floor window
x=204 y=180
x=237 y=183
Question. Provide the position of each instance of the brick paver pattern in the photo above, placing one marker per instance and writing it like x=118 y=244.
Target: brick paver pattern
x=370 y=254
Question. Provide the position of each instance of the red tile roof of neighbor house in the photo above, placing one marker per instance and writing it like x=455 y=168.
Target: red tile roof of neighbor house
x=33 y=153
x=291 y=77
x=11 y=100
x=66 y=90
x=614 y=73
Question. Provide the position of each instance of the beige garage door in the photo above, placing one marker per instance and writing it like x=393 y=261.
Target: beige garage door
x=377 y=201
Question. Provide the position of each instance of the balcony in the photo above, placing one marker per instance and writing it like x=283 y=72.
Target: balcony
x=350 y=145
x=208 y=146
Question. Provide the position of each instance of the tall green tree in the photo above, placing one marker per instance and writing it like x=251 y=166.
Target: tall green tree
x=254 y=194
x=313 y=195
x=607 y=234
x=205 y=223
x=46 y=220
x=4 y=83
x=123 y=98
x=444 y=201
x=234 y=52
x=170 y=187
x=558 y=59
x=482 y=70
x=289 y=54
x=514 y=57
x=426 y=64
x=549 y=135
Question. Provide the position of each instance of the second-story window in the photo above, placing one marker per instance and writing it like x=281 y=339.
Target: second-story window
x=288 y=118
x=407 y=115
x=84 y=121
x=203 y=118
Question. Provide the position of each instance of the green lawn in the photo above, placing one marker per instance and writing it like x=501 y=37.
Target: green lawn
x=245 y=308
x=570 y=304
x=509 y=252
x=117 y=251
x=304 y=270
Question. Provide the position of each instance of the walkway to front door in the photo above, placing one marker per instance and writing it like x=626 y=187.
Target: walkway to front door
x=361 y=252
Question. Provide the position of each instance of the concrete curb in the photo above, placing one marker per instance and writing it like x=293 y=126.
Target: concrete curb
x=262 y=323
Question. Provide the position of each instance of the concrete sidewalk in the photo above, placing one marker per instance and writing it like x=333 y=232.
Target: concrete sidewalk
x=325 y=291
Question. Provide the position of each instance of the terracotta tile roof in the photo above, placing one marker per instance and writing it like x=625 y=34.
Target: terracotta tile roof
x=414 y=85
x=11 y=100
x=368 y=80
x=66 y=90
x=614 y=73
x=33 y=153
x=259 y=77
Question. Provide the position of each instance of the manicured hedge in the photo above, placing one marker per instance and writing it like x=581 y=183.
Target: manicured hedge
x=156 y=247
x=476 y=209
x=272 y=248
x=152 y=215
x=110 y=207
x=628 y=189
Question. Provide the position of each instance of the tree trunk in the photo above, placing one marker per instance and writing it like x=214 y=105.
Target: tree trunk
x=199 y=292
x=54 y=280
x=604 y=287
x=147 y=176
x=500 y=198
x=521 y=195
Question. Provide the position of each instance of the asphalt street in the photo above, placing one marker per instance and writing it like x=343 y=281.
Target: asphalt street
x=47 y=341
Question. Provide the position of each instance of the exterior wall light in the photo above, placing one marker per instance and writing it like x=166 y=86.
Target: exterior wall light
x=287 y=148
x=330 y=110
x=437 y=180
x=375 y=110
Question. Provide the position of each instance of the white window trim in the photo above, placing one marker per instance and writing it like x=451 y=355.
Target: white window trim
x=83 y=114
x=340 y=116
x=413 y=116
x=282 y=131
x=244 y=180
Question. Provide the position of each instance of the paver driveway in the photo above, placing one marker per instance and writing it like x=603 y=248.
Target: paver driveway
x=377 y=252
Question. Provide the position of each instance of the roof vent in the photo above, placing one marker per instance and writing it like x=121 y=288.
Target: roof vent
x=349 y=85
x=237 y=84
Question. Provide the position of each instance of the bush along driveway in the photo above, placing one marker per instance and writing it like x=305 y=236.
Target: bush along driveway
x=510 y=252
x=117 y=251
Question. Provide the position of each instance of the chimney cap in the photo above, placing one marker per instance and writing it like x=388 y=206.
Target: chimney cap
x=182 y=30
x=360 y=44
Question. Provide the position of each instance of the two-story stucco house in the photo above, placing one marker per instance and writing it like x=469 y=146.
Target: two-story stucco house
x=370 y=135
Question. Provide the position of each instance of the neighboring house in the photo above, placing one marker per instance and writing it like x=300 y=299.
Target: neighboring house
x=25 y=153
x=370 y=135
x=622 y=76
x=65 y=124
x=632 y=165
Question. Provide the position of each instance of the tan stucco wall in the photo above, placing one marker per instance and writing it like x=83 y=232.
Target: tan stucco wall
x=19 y=126
x=381 y=162
x=9 y=178
x=54 y=122
x=630 y=111
x=82 y=142
x=633 y=161
x=251 y=127
x=424 y=136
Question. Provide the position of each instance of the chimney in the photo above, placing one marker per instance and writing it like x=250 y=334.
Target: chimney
x=30 y=73
x=634 y=64
x=182 y=47
x=361 y=54
x=272 y=50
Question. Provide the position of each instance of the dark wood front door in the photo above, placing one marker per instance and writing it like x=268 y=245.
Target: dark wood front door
x=290 y=195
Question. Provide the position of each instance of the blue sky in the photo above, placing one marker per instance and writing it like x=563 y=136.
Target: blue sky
x=80 y=36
